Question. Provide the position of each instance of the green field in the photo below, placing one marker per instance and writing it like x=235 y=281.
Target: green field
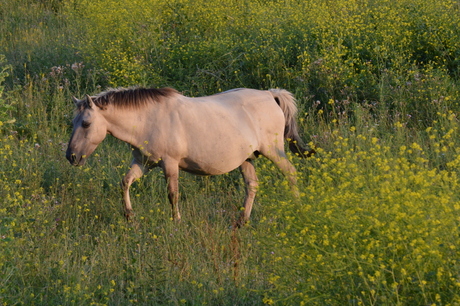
x=377 y=222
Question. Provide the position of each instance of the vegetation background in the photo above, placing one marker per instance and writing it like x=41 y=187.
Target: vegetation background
x=377 y=83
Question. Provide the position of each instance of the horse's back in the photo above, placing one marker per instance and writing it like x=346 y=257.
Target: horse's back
x=245 y=112
x=241 y=104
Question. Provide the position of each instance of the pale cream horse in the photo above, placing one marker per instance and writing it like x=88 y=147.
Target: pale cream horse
x=207 y=135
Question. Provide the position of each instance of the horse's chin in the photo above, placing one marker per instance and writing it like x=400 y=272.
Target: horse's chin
x=81 y=162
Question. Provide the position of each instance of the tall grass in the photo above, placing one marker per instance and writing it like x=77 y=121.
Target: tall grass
x=377 y=222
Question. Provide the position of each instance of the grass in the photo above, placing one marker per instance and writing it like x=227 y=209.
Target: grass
x=377 y=222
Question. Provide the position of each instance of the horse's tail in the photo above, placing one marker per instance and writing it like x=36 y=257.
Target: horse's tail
x=288 y=104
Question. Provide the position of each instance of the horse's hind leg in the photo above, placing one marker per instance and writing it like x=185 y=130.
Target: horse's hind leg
x=136 y=171
x=279 y=158
x=251 y=183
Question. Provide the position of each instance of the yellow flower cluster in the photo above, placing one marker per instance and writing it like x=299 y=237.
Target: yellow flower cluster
x=348 y=47
x=376 y=223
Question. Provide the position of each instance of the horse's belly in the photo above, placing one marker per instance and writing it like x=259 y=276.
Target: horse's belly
x=213 y=166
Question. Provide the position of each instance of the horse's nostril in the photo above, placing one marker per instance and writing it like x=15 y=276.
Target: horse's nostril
x=71 y=157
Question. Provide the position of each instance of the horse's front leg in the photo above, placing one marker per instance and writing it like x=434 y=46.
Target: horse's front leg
x=136 y=171
x=171 y=171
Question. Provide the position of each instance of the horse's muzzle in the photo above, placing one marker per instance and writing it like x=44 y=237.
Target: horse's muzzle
x=74 y=159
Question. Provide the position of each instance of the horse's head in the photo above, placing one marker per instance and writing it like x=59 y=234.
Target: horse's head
x=89 y=129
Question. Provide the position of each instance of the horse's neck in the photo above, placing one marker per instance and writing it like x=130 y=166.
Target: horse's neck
x=127 y=125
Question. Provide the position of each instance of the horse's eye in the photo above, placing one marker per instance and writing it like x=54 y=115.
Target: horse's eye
x=85 y=124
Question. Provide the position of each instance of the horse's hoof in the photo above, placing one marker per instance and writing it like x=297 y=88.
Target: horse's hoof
x=129 y=215
x=176 y=218
x=239 y=224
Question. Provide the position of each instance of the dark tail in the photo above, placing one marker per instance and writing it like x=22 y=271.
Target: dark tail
x=288 y=104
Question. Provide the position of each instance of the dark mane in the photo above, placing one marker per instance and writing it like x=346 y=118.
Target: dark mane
x=133 y=97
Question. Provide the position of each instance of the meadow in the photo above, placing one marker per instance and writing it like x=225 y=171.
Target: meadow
x=378 y=219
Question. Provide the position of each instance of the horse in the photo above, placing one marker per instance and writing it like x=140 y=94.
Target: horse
x=208 y=135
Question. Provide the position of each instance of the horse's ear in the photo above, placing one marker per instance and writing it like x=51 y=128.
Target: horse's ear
x=75 y=101
x=89 y=101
